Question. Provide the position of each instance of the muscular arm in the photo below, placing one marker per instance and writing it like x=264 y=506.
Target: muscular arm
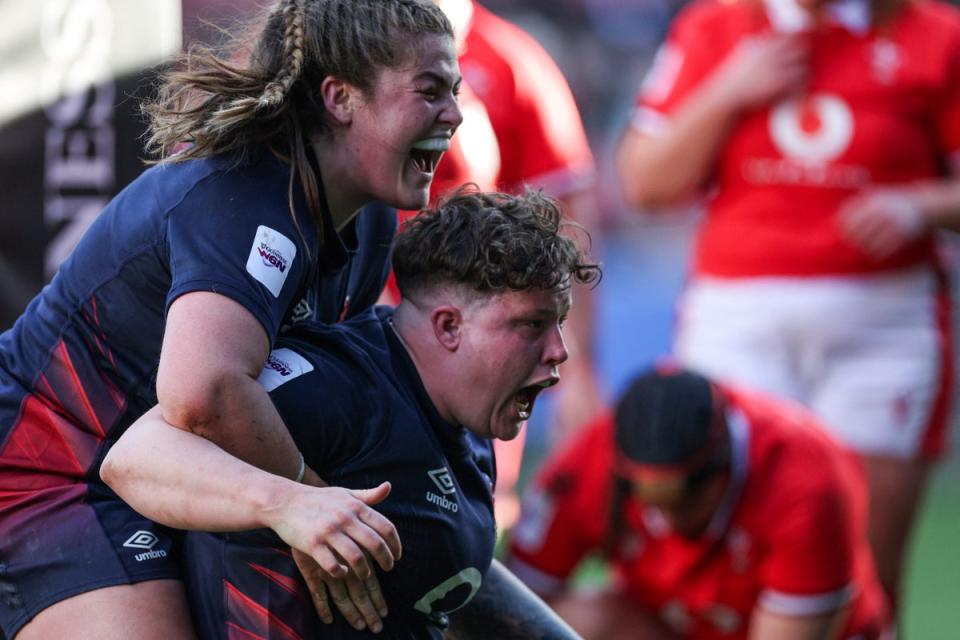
x=506 y=609
x=213 y=352
x=182 y=480
x=662 y=170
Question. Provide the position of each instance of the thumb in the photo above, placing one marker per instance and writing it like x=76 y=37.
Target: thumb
x=373 y=496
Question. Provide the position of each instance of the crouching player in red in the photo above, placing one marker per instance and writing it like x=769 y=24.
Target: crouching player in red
x=724 y=515
x=412 y=396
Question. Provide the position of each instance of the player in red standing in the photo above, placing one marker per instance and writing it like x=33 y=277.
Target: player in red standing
x=827 y=136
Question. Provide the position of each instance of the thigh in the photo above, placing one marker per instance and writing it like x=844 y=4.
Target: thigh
x=63 y=538
x=156 y=609
x=736 y=331
x=885 y=378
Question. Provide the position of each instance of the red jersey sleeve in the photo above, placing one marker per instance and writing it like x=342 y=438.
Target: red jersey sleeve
x=684 y=60
x=810 y=566
x=542 y=139
x=948 y=113
x=564 y=509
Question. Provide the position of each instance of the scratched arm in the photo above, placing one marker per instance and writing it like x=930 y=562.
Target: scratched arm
x=506 y=609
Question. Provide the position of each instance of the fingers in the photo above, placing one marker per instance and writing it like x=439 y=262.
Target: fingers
x=375 y=495
x=312 y=573
x=353 y=600
x=367 y=598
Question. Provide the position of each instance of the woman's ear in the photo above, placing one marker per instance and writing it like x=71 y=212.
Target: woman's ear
x=340 y=98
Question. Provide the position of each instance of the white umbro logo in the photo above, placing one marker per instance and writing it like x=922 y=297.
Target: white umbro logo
x=147 y=541
x=441 y=478
x=142 y=540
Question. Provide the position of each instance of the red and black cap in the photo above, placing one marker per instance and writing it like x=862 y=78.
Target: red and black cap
x=671 y=432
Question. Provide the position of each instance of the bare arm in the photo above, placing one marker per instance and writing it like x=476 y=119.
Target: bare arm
x=882 y=220
x=766 y=625
x=183 y=480
x=506 y=609
x=213 y=352
x=662 y=170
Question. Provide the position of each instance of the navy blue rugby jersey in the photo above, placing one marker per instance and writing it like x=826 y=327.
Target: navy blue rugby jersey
x=356 y=407
x=80 y=363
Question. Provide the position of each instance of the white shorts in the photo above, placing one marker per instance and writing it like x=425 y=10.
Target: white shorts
x=871 y=355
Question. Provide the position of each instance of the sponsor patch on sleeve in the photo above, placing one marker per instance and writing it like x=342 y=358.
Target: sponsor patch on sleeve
x=270 y=258
x=282 y=366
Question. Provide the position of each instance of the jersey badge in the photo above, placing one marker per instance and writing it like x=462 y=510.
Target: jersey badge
x=282 y=366
x=270 y=258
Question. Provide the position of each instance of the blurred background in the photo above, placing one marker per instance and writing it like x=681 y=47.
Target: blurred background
x=71 y=72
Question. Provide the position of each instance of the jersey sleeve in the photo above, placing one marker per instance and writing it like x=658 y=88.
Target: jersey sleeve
x=225 y=239
x=562 y=512
x=948 y=109
x=681 y=63
x=548 y=145
x=324 y=426
x=809 y=568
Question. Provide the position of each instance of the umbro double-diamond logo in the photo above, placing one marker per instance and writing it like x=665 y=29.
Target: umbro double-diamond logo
x=145 y=540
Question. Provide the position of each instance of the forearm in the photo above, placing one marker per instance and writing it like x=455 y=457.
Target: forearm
x=245 y=424
x=506 y=609
x=661 y=170
x=939 y=202
x=183 y=480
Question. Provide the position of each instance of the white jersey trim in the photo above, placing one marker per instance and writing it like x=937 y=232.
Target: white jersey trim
x=808 y=605
x=649 y=122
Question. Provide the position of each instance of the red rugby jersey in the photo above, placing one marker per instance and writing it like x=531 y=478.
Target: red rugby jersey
x=536 y=121
x=882 y=107
x=790 y=535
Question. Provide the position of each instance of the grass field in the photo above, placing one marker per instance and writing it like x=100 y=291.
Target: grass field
x=932 y=597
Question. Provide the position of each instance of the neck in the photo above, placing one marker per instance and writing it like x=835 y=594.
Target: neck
x=411 y=327
x=343 y=203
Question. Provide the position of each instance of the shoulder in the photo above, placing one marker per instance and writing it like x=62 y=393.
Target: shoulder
x=936 y=12
x=494 y=42
x=722 y=15
x=786 y=443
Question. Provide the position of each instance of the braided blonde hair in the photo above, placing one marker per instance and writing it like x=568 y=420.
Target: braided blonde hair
x=216 y=102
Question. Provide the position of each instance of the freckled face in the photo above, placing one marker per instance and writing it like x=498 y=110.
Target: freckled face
x=404 y=126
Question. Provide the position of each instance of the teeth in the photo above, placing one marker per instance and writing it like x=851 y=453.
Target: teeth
x=523 y=408
x=432 y=144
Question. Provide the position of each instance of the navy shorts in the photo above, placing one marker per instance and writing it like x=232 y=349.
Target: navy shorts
x=246 y=585
x=60 y=538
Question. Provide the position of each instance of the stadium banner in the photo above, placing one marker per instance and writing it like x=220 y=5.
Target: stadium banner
x=70 y=127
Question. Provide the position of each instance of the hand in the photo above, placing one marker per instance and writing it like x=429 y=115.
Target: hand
x=360 y=602
x=337 y=527
x=881 y=221
x=763 y=68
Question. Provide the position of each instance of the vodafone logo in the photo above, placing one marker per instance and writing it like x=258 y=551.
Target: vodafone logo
x=812 y=129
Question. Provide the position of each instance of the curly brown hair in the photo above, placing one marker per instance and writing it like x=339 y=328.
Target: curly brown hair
x=489 y=243
x=218 y=102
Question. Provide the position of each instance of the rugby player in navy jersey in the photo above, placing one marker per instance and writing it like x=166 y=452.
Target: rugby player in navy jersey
x=177 y=292
x=412 y=396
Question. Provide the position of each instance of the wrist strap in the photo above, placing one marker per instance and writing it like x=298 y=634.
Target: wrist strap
x=302 y=470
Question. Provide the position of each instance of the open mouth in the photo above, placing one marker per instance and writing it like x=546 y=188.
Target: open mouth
x=426 y=154
x=523 y=400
